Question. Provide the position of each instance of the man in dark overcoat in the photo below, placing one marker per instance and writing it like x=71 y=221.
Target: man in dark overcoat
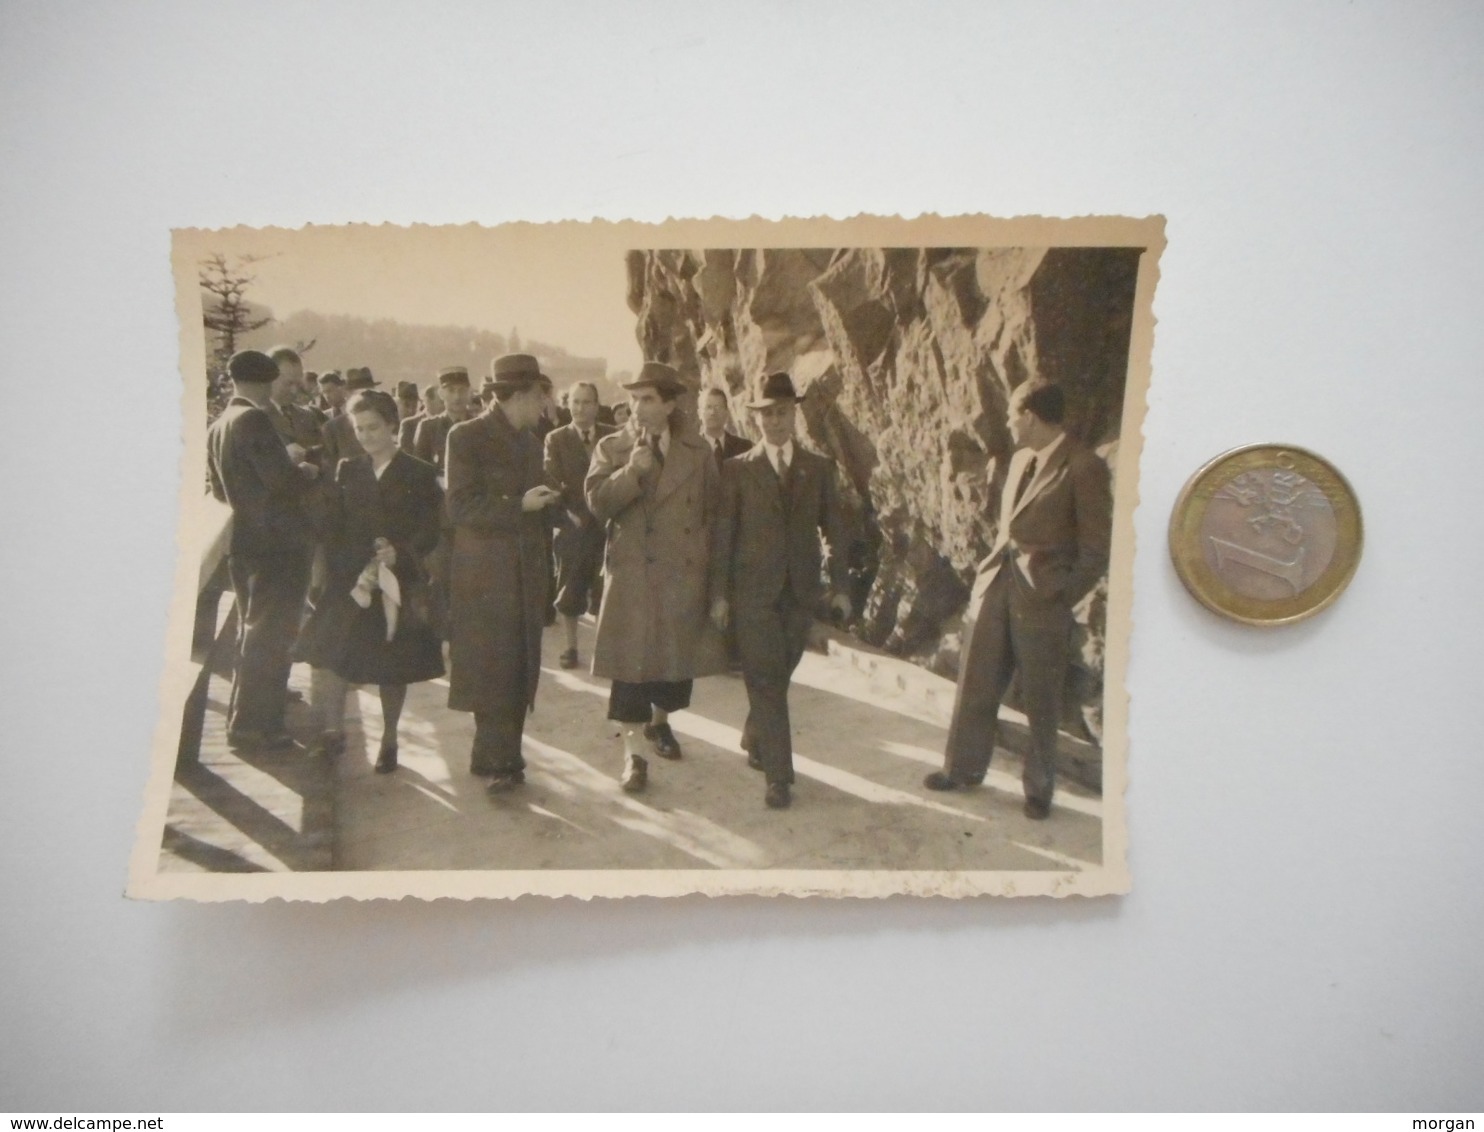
x=776 y=499
x=654 y=483
x=497 y=501
x=580 y=538
x=251 y=470
x=1051 y=547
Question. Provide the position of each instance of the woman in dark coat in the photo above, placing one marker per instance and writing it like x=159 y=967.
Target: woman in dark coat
x=370 y=625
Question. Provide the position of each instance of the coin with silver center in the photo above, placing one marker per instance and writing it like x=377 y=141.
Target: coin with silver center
x=1267 y=534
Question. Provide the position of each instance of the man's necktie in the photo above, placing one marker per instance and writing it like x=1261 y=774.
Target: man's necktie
x=1025 y=478
x=654 y=446
x=718 y=446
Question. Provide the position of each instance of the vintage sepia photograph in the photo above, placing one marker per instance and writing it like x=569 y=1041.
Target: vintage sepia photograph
x=610 y=559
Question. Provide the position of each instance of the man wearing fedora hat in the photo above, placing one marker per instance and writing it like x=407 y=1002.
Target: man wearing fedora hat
x=265 y=483
x=655 y=484
x=776 y=499
x=497 y=502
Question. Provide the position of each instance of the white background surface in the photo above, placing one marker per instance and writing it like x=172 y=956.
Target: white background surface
x=1307 y=914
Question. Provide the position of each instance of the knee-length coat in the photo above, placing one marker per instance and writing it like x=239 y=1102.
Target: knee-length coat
x=402 y=506
x=654 y=623
x=497 y=591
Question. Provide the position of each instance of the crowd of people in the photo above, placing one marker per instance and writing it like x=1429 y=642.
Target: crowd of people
x=391 y=538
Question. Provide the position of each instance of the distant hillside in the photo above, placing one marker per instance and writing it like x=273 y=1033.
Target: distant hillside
x=398 y=351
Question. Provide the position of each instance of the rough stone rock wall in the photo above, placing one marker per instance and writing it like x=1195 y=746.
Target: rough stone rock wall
x=908 y=357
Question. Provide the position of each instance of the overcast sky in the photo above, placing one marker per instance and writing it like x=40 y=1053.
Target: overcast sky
x=562 y=284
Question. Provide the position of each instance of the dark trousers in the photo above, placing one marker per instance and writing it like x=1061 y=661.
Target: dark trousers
x=579 y=555
x=634 y=702
x=269 y=591
x=1014 y=631
x=497 y=737
x=770 y=643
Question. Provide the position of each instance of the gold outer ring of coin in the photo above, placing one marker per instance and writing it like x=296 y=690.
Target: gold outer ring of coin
x=1216 y=595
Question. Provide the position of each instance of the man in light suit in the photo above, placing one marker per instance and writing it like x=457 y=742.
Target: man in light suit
x=579 y=540
x=765 y=571
x=1051 y=546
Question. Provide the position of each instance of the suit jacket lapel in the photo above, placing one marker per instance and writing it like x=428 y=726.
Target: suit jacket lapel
x=680 y=464
x=1045 y=474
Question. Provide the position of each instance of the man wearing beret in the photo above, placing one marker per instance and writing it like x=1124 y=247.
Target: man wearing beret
x=656 y=485
x=431 y=446
x=497 y=501
x=776 y=499
x=265 y=483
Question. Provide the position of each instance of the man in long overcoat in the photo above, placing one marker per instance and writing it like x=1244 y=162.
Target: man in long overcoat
x=579 y=539
x=1051 y=546
x=656 y=485
x=776 y=499
x=497 y=502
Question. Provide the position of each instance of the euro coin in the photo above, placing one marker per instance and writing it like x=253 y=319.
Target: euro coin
x=1266 y=535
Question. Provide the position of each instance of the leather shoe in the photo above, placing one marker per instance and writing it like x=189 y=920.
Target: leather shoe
x=665 y=744
x=635 y=775
x=568 y=659
x=386 y=758
x=777 y=797
x=940 y=780
x=505 y=781
x=1037 y=811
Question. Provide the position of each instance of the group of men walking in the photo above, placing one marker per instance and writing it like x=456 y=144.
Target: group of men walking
x=697 y=550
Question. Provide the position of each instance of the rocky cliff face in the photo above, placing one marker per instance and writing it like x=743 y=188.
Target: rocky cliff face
x=907 y=357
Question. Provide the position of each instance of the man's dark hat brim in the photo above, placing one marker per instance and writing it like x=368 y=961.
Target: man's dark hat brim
x=778 y=389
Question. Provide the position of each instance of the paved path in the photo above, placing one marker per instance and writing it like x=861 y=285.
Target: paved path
x=859 y=803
